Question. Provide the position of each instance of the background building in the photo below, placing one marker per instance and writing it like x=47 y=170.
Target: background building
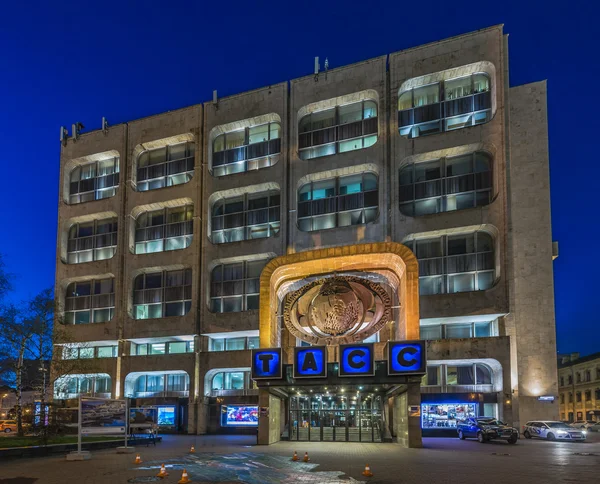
x=166 y=223
x=579 y=387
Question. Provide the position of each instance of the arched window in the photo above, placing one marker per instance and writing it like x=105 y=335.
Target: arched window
x=164 y=229
x=162 y=294
x=445 y=106
x=338 y=202
x=230 y=380
x=94 y=181
x=166 y=166
x=455 y=263
x=89 y=241
x=446 y=184
x=249 y=216
x=235 y=287
x=246 y=149
x=90 y=301
x=337 y=130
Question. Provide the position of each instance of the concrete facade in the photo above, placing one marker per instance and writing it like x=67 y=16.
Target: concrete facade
x=519 y=350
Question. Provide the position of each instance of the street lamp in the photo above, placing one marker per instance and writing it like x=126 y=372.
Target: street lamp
x=2 y=402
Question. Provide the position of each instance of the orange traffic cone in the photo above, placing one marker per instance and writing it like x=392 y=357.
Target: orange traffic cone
x=192 y=450
x=295 y=458
x=306 y=458
x=138 y=459
x=163 y=472
x=367 y=472
x=184 y=478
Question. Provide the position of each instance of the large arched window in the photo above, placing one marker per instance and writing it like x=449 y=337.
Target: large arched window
x=446 y=184
x=164 y=229
x=231 y=380
x=90 y=241
x=445 y=106
x=162 y=294
x=338 y=202
x=166 y=166
x=93 y=181
x=90 y=301
x=249 y=216
x=337 y=130
x=246 y=149
x=234 y=287
x=455 y=263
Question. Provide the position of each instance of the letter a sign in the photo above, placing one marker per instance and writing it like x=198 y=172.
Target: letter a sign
x=310 y=362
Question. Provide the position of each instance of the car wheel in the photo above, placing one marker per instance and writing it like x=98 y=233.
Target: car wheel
x=481 y=438
x=7 y=431
x=551 y=436
x=461 y=436
x=513 y=440
x=527 y=434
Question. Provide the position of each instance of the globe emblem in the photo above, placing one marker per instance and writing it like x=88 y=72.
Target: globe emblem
x=336 y=309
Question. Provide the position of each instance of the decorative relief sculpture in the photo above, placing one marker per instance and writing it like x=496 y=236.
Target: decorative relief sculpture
x=337 y=310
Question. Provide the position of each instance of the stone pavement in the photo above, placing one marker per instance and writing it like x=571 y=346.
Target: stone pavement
x=228 y=459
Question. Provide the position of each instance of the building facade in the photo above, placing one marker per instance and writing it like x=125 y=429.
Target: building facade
x=579 y=387
x=419 y=169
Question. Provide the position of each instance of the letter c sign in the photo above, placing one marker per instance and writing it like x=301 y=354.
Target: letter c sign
x=406 y=357
x=357 y=360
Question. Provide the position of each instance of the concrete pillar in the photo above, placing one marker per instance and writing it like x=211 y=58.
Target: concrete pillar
x=408 y=428
x=269 y=426
x=201 y=410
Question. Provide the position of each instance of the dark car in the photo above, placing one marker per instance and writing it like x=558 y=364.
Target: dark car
x=486 y=429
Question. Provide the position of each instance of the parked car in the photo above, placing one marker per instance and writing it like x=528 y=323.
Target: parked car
x=583 y=424
x=486 y=429
x=552 y=430
x=8 y=426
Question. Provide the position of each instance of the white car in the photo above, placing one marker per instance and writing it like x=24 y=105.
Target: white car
x=585 y=424
x=552 y=430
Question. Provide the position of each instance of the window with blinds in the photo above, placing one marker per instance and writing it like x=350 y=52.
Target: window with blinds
x=162 y=294
x=166 y=166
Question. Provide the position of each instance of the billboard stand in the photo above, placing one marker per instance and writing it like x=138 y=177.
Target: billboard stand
x=79 y=454
x=125 y=449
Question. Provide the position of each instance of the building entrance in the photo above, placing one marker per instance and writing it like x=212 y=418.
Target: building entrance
x=352 y=414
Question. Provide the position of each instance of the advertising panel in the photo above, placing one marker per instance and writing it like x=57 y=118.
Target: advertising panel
x=166 y=416
x=102 y=416
x=143 y=418
x=239 y=416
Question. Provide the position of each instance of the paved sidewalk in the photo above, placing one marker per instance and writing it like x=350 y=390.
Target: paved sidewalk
x=227 y=459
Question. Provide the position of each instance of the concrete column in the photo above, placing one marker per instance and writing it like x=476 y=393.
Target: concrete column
x=201 y=410
x=269 y=426
x=408 y=428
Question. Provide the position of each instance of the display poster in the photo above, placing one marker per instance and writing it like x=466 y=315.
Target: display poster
x=143 y=417
x=102 y=416
x=239 y=416
x=414 y=410
x=166 y=416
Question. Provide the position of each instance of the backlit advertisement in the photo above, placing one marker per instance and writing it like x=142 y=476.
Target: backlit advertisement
x=239 y=416
x=102 y=416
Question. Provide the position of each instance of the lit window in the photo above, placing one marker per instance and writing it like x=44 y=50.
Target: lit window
x=445 y=106
x=455 y=263
x=337 y=130
x=338 y=202
x=456 y=330
x=251 y=216
x=247 y=149
x=164 y=230
x=235 y=287
x=87 y=385
x=106 y=351
x=446 y=184
x=162 y=294
x=90 y=302
x=230 y=380
x=94 y=181
x=89 y=241
x=165 y=167
x=474 y=374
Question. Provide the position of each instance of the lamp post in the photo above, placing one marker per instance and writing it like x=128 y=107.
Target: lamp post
x=2 y=401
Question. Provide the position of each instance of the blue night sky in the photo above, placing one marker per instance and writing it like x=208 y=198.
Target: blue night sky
x=64 y=62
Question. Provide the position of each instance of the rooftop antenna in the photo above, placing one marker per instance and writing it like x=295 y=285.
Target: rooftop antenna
x=104 y=125
x=326 y=67
x=317 y=68
x=215 y=99
x=76 y=130
x=64 y=134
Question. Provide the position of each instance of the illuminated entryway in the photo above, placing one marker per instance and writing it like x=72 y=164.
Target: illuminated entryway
x=336 y=414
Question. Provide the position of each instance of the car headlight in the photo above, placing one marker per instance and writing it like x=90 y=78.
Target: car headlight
x=561 y=432
x=584 y=432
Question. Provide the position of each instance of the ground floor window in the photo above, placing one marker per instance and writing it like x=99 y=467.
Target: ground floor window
x=445 y=416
